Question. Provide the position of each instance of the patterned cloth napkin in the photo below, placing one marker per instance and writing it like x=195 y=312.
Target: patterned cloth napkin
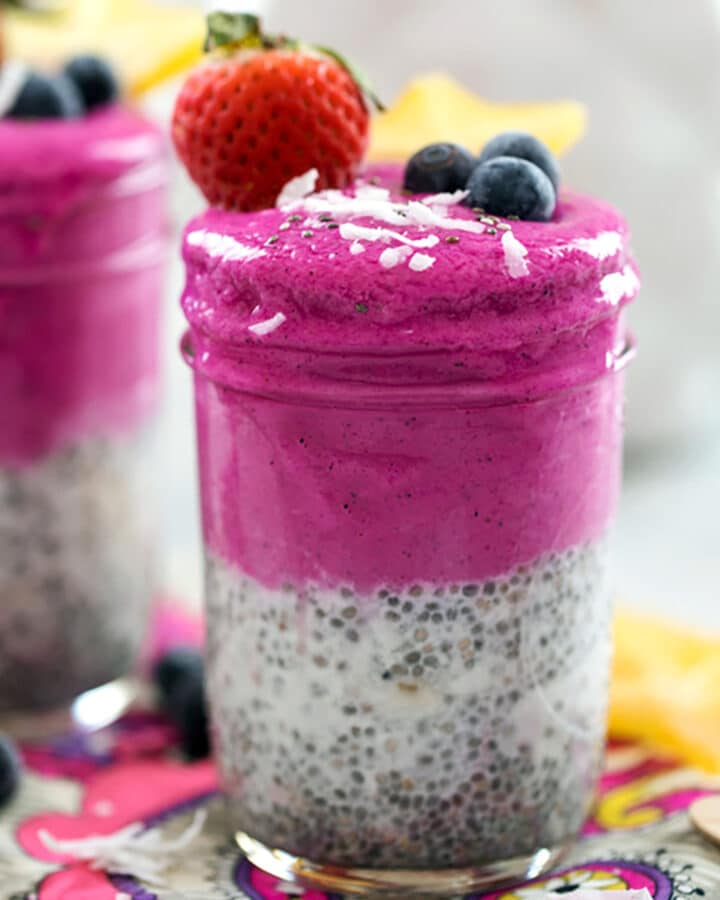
x=639 y=836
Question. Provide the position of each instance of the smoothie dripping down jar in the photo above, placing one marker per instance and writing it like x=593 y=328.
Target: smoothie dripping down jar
x=410 y=459
x=83 y=236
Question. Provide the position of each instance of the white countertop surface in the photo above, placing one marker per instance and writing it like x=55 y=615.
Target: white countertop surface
x=668 y=535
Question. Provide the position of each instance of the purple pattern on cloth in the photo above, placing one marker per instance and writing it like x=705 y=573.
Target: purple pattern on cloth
x=127 y=885
x=663 y=885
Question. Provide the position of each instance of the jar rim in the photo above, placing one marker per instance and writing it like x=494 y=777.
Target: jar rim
x=325 y=392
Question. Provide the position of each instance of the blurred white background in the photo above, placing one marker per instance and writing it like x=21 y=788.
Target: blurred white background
x=650 y=74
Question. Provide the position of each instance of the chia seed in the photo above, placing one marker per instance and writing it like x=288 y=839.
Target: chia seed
x=75 y=571
x=411 y=724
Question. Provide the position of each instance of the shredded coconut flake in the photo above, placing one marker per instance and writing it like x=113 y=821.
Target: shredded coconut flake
x=618 y=285
x=375 y=203
x=371 y=192
x=297 y=188
x=135 y=850
x=515 y=256
x=453 y=199
x=355 y=233
x=356 y=247
x=340 y=206
x=222 y=246
x=420 y=214
x=602 y=246
x=393 y=256
x=421 y=262
x=269 y=325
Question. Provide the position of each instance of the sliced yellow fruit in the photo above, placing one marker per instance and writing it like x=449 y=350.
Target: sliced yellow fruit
x=435 y=107
x=147 y=43
x=666 y=688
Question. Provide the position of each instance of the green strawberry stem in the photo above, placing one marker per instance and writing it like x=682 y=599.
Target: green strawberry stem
x=357 y=75
x=231 y=32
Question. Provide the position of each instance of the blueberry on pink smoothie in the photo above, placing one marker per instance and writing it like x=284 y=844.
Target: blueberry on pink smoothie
x=509 y=186
x=95 y=79
x=522 y=145
x=47 y=97
x=438 y=168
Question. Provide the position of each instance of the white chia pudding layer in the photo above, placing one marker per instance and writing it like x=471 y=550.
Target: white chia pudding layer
x=438 y=726
x=75 y=571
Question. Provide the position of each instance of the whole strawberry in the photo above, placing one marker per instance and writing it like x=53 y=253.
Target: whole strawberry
x=263 y=110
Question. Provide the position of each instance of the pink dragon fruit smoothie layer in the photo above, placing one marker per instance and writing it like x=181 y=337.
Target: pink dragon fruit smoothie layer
x=381 y=406
x=83 y=234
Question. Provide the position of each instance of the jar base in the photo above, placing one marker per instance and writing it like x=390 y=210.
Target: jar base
x=396 y=883
x=90 y=711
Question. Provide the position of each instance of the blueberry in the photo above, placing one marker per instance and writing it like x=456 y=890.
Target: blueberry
x=175 y=666
x=95 y=79
x=439 y=168
x=46 y=97
x=10 y=770
x=180 y=680
x=507 y=186
x=523 y=146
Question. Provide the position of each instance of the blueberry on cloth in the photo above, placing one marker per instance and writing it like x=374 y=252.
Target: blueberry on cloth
x=180 y=681
x=188 y=710
x=175 y=666
x=507 y=186
x=95 y=79
x=10 y=770
x=438 y=168
x=47 y=97
x=523 y=146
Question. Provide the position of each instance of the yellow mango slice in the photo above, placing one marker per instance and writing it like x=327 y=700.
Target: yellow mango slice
x=666 y=689
x=434 y=108
x=147 y=43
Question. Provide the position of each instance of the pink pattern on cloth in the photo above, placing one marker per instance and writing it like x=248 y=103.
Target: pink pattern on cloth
x=140 y=735
x=651 y=789
x=268 y=885
x=113 y=800
x=79 y=883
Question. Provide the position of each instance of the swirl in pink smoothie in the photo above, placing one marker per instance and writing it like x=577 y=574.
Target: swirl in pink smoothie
x=371 y=368
x=83 y=232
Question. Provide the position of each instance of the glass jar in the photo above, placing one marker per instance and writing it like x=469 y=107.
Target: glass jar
x=409 y=620
x=81 y=290
x=407 y=591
